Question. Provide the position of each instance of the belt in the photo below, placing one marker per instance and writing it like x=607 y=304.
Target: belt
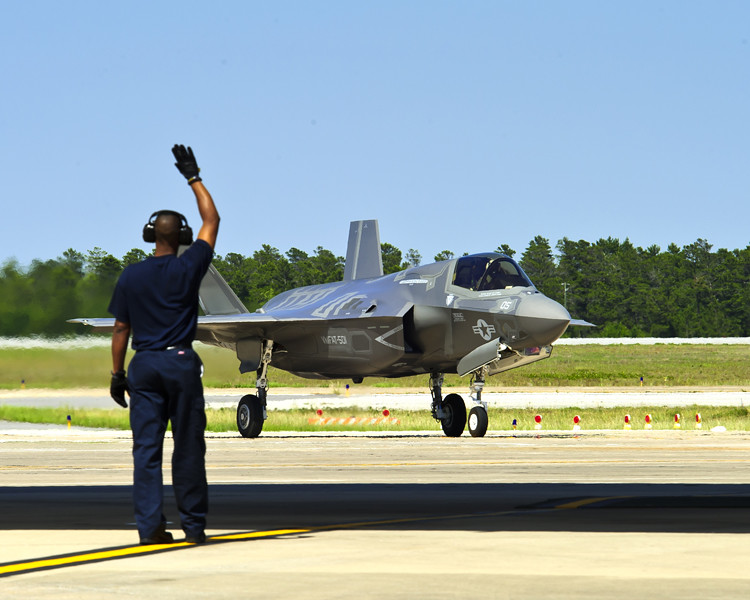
x=180 y=347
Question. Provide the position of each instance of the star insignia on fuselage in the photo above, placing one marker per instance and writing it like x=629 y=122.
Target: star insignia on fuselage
x=484 y=329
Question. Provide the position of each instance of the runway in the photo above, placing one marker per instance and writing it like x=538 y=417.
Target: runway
x=606 y=515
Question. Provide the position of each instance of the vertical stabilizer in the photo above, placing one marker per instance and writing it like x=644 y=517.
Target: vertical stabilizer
x=363 y=257
x=216 y=297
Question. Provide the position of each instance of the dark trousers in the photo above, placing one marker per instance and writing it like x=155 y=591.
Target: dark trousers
x=166 y=386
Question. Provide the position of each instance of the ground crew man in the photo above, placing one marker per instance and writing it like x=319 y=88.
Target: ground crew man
x=157 y=300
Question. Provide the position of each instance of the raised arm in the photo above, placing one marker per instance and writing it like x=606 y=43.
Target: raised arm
x=188 y=166
x=210 y=216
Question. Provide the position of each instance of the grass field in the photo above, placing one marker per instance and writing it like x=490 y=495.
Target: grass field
x=592 y=366
x=665 y=365
x=221 y=420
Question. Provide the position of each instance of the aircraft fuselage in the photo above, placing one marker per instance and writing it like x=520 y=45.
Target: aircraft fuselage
x=411 y=322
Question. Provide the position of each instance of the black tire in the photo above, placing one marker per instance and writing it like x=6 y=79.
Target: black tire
x=250 y=416
x=454 y=422
x=478 y=421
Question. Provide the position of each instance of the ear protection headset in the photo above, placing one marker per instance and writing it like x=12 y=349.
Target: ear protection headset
x=186 y=233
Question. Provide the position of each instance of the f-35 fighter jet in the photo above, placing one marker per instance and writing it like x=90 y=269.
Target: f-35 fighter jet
x=477 y=315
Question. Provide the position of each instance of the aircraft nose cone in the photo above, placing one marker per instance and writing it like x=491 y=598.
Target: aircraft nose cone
x=543 y=318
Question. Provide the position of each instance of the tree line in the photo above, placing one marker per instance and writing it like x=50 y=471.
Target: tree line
x=625 y=290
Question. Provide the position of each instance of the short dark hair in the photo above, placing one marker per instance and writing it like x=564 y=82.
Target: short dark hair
x=167 y=227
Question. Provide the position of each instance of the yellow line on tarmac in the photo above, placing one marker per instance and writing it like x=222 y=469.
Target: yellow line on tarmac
x=102 y=555
x=62 y=561
x=124 y=552
x=256 y=534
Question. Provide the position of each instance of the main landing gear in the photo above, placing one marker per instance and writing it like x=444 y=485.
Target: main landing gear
x=451 y=410
x=251 y=411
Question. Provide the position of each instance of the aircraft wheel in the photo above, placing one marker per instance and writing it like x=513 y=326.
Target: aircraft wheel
x=250 y=416
x=478 y=421
x=455 y=421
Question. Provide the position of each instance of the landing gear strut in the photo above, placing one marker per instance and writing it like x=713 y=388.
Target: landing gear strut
x=478 y=419
x=450 y=411
x=251 y=411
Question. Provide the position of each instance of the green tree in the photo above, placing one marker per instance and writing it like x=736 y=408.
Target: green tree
x=538 y=263
x=391 y=258
x=300 y=271
x=101 y=271
x=626 y=290
x=327 y=266
x=505 y=249
x=413 y=259
x=16 y=298
x=74 y=260
x=270 y=276
x=444 y=255
x=133 y=256
x=54 y=288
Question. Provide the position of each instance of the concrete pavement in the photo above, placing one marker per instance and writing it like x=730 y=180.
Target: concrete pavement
x=413 y=515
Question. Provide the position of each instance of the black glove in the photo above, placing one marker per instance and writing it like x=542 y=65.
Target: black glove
x=186 y=163
x=117 y=388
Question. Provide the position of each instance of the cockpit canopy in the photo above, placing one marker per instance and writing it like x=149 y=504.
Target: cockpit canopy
x=482 y=272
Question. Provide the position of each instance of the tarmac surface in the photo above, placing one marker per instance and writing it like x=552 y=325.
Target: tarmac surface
x=410 y=515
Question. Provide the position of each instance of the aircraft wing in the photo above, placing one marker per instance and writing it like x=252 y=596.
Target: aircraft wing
x=220 y=330
x=225 y=330
x=102 y=325
x=581 y=323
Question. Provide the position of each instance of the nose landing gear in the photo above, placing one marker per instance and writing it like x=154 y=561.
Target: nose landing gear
x=451 y=410
x=478 y=419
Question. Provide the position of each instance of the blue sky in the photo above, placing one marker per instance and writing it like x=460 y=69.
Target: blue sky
x=458 y=125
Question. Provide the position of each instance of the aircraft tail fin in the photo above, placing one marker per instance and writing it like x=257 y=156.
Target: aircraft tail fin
x=363 y=256
x=216 y=297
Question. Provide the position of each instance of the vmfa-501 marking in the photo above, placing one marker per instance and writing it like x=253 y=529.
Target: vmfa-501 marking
x=476 y=315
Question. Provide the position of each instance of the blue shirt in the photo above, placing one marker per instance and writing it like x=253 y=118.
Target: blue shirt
x=158 y=297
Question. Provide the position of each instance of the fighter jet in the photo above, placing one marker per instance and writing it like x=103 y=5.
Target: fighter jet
x=477 y=315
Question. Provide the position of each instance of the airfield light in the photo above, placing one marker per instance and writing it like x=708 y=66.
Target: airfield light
x=319 y=412
x=698 y=421
x=538 y=419
x=649 y=422
x=576 y=423
x=386 y=412
x=515 y=423
x=627 y=426
x=677 y=421
x=69 y=421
